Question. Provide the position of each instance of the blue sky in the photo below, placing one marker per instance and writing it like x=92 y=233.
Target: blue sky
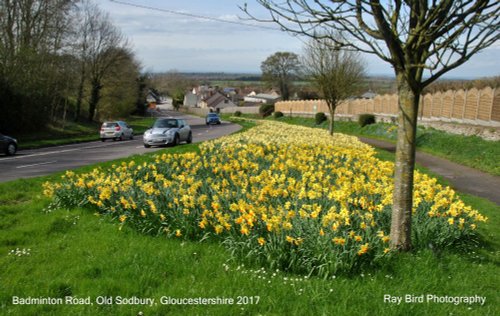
x=165 y=41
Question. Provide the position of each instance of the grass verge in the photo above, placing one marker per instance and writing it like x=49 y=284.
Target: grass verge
x=73 y=253
x=75 y=132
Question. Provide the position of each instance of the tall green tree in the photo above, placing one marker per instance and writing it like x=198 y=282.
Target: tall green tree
x=120 y=88
x=420 y=39
x=334 y=71
x=281 y=68
x=33 y=37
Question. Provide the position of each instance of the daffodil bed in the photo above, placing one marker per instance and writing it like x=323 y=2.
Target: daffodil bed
x=279 y=195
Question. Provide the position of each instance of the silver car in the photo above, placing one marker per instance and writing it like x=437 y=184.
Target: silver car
x=168 y=131
x=116 y=130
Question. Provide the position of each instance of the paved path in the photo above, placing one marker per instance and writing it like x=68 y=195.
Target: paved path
x=461 y=178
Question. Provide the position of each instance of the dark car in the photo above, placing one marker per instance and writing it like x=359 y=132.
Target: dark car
x=8 y=145
x=212 y=118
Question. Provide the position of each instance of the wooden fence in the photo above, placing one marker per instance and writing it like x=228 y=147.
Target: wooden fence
x=467 y=106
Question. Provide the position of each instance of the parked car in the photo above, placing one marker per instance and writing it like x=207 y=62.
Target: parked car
x=116 y=130
x=212 y=118
x=168 y=131
x=8 y=145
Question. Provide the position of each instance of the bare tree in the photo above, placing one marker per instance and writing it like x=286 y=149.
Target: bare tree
x=334 y=71
x=281 y=68
x=101 y=47
x=415 y=37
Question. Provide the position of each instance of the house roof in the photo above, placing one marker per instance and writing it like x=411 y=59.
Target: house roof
x=266 y=96
x=368 y=95
x=217 y=99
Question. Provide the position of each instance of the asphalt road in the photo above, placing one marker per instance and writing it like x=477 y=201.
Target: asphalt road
x=39 y=162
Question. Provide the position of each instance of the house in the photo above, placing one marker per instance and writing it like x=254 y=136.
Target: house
x=191 y=100
x=267 y=98
x=368 y=95
x=217 y=102
x=152 y=99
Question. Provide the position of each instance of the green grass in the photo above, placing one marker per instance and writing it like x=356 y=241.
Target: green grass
x=470 y=151
x=76 y=253
x=75 y=132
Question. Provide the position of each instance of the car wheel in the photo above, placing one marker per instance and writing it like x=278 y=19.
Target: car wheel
x=121 y=137
x=131 y=136
x=103 y=139
x=11 y=149
x=189 y=140
x=147 y=146
x=176 y=140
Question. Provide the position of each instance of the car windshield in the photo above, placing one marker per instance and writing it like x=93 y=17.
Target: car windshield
x=108 y=124
x=212 y=115
x=165 y=124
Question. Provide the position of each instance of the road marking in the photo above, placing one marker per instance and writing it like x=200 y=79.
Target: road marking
x=36 y=164
x=62 y=151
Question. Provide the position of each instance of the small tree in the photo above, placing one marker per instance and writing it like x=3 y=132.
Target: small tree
x=334 y=71
x=281 y=68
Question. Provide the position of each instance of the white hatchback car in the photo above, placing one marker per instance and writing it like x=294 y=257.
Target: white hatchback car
x=168 y=131
x=117 y=130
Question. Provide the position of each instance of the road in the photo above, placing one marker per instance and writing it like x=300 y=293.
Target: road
x=39 y=162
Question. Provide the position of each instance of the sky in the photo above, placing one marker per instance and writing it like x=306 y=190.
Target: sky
x=185 y=42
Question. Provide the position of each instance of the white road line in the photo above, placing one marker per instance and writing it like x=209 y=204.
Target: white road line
x=36 y=164
x=60 y=151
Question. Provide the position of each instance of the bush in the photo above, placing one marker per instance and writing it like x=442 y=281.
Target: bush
x=366 y=119
x=278 y=114
x=320 y=118
x=237 y=113
x=266 y=110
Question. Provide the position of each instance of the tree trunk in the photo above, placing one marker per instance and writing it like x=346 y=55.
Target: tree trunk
x=95 y=96
x=284 y=90
x=79 y=97
x=404 y=166
x=332 y=120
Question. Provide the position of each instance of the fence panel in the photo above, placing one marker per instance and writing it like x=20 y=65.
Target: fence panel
x=484 y=104
x=473 y=104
